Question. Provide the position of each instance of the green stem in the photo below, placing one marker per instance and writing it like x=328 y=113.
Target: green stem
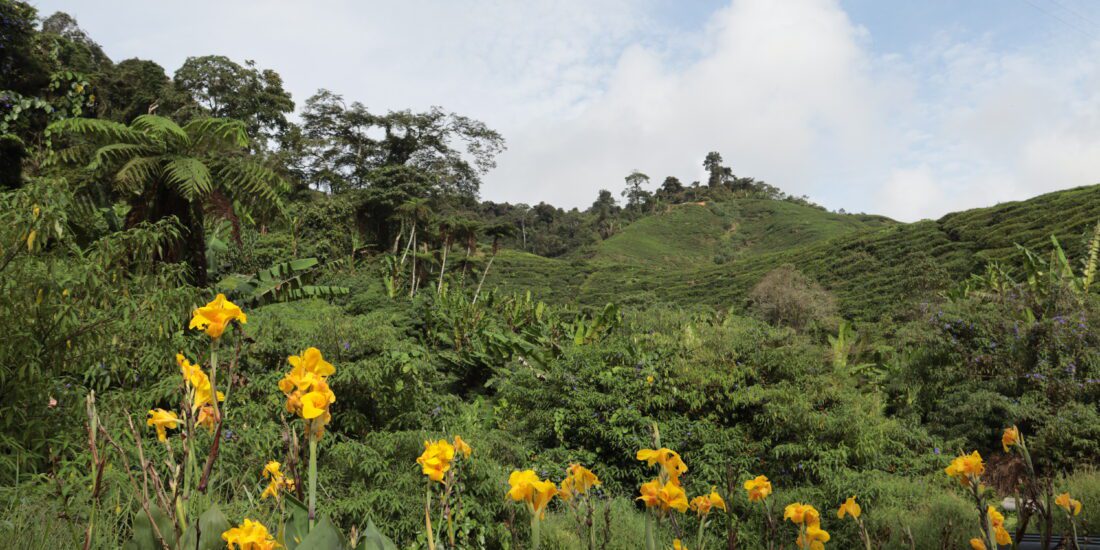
x=214 y=379
x=535 y=534
x=650 y=544
x=428 y=516
x=312 y=476
x=699 y=537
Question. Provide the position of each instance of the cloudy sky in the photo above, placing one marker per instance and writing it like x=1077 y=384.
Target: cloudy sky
x=909 y=109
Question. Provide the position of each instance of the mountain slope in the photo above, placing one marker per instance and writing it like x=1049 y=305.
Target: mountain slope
x=713 y=254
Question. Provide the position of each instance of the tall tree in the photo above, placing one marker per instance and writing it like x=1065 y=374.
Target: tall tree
x=416 y=212
x=225 y=89
x=497 y=232
x=637 y=198
x=166 y=170
x=713 y=165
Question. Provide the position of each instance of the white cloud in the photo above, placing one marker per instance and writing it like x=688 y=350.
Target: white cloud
x=792 y=92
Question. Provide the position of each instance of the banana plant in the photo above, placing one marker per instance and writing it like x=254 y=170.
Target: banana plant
x=282 y=282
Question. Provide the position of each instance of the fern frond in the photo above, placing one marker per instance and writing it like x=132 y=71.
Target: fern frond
x=137 y=173
x=1094 y=258
x=116 y=153
x=97 y=130
x=190 y=176
x=163 y=128
x=244 y=177
x=216 y=133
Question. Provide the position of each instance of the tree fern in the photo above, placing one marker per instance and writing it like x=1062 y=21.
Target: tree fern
x=189 y=176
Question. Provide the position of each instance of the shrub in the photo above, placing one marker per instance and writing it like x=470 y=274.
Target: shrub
x=785 y=296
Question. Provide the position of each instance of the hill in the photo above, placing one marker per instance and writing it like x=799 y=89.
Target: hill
x=712 y=254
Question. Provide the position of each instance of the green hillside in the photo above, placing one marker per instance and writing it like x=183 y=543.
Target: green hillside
x=712 y=254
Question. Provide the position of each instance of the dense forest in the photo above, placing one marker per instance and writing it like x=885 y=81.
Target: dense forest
x=201 y=275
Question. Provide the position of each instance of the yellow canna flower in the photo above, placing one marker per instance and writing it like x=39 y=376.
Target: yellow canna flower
x=462 y=447
x=668 y=497
x=250 y=535
x=436 y=459
x=567 y=492
x=758 y=488
x=582 y=478
x=162 y=420
x=977 y=544
x=311 y=361
x=965 y=467
x=207 y=417
x=702 y=504
x=850 y=507
x=1002 y=535
x=800 y=513
x=816 y=536
x=215 y=316
x=278 y=480
x=527 y=487
x=1010 y=437
x=677 y=545
x=669 y=460
x=1070 y=505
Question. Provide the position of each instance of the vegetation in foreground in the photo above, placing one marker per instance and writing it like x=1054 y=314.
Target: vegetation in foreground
x=717 y=364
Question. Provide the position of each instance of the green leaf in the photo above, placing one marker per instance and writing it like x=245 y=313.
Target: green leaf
x=144 y=536
x=372 y=539
x=324 y=536
x=297 y=525
x=211 y=525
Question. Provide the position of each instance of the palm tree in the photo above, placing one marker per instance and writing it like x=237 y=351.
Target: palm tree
x=414 y=212
x=446 y=228
x=167 y=170
x=497 y=232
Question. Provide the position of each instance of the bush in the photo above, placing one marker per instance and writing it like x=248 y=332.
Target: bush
x=787 y=297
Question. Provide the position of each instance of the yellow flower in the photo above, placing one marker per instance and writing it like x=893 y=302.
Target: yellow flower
x=649 y=379
x=527 y=487
x=315 y=404
x=668 y=497
x=1010 y=437
x=703 y=503
x=1071 y=505
x=816 y=536
x=311 y=361
x=977 y=544
x=677 y=545
x=1003 y=538
x=197 y=380
x=278 y=480
x=250 y=535
x=669 y=460
x=216 y=315
x=850 y=507
x=583 y=478
x=758 y=488
x=800 y=513
x=162 y=420
x=965 y=467
x=207 y=416
x=436 y=459
x=462 y=447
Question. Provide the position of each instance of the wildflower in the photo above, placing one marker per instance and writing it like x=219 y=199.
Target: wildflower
x=964 y=467
x=668 y=497
x=998 y=520
x=677 y=545
x=527 y=487
x=1070 y=505
x=815 y=537
x=462 y=447
x=703 y=503
x=207 y=417
x=250 y=535
x=583 y=478
x=315 y=403
x=198 y=382
x=311 y=361
x=758 y=488
x=800 y=513
x=850 y=507
x=669 y=460
x=216 y=315
x=278 y=480
x=1010 y=437
x=649 y=379
x=162 y=420
x=977 y=544
x=436 y=459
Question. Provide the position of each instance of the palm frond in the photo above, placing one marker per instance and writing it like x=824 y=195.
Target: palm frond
x=190 y=176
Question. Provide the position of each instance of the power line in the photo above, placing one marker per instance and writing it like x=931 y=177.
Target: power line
x=1069 y=24
x=1084 y=18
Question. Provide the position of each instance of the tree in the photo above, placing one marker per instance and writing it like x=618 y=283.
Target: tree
x=415 y=212
x=670 y=188
x=166 y=170
x=347 y=143
x=497 y=232
x=224 y=89
x=637 y=198
x=605 y=209
x=137 y=87
x=713 y=165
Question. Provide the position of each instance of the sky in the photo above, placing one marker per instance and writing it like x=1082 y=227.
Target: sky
x=906 y=109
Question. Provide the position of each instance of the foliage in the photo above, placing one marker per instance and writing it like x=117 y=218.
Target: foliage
x=787 y=297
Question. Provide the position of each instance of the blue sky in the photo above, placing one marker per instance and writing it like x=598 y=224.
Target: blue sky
x=909 y=109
